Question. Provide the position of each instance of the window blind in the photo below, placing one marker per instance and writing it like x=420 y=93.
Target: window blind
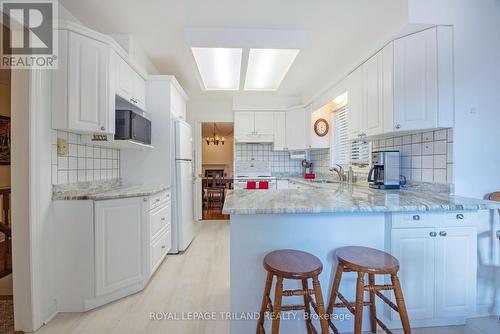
x=340 y=154
x=360 y=153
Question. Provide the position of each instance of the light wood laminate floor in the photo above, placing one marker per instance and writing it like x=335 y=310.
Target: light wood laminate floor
x=197 y=280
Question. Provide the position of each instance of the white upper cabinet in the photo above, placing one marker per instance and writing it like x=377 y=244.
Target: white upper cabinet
x=416 y=81
x=250 y=126
x=407 y=86
x=131 y=87
x=243 y=124
x=355 y=102
x=264 y=123
x=82 y=100
x=366 y=98
x=423 y=80
x=372 y=119
x=297 y=122
x=279 y=131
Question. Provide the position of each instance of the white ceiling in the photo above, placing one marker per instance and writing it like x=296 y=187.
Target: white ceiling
x=340 y=32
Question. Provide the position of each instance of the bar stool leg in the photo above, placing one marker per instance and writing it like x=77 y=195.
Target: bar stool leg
x=265 y=302
x=335 y=288
x=373 y=309
x=276 y=314
x=403 y=314
x=358 y=316
x=320 y=305
x=307 y=308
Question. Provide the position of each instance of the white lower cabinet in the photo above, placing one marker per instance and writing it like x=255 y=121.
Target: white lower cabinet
x=120 y=228
x=438 y=263
x=159 y=248
x=456 y=264
x=415 y=250
x=109 y=249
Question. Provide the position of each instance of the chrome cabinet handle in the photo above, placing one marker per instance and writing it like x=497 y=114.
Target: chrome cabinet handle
x=433 y=234
x=163 y=247
x=162 y=218
x=416 y=217
x=103 y=128
x=398 y=126
x=460 y=216
x=145 y=199
x=442 y=233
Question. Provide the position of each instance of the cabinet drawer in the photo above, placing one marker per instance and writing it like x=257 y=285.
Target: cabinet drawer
x=159 y=199
x=160 y=248
x=159 y=220
x=457 y=219
x=433 y=219
x=412 y=219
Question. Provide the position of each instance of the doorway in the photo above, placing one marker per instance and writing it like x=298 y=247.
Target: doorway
x=217 y=151
x=6 y=285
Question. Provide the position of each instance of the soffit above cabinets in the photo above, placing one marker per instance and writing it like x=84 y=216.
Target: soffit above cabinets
x=265 y=56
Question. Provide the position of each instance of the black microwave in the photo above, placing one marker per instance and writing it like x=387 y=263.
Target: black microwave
x=132 y=126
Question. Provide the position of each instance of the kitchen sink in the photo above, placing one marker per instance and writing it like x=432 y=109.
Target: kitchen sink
x=323 y=181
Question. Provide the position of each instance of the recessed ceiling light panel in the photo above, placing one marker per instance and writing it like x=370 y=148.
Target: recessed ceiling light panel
x=268 y=67
x=219 y=67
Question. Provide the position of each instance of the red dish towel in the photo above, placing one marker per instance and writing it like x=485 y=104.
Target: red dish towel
x=251 y=185
x=263 y=184
x=309 y=176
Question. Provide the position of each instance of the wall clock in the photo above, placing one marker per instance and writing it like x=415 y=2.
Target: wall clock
x=321 y=127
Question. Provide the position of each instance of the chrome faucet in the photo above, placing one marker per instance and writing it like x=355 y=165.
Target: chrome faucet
x=339 y=170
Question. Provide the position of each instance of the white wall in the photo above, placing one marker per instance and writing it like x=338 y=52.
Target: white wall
x=209 y=110
x=264 y=101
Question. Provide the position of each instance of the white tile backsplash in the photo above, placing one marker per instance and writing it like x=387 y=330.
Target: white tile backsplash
x=83 y=162
x=279 y=160
x=426 y=156
x=321 y=161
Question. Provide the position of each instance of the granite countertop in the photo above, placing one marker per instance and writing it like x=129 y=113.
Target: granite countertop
x=337 y=197
x=113 y=189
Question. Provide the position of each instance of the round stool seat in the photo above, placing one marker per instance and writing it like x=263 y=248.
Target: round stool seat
x=369 y=260
x=294 y=264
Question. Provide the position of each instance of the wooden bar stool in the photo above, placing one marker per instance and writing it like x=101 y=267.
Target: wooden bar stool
x=296 y=265
x=373 y=262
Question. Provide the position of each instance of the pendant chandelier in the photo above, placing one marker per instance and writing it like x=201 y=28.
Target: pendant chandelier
x=215 y=139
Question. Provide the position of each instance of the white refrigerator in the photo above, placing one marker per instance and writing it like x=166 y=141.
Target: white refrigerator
x=183 y=219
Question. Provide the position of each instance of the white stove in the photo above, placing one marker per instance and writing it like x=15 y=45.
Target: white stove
x=252 y=170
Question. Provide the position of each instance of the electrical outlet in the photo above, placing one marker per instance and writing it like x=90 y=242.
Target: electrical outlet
x=62 y=147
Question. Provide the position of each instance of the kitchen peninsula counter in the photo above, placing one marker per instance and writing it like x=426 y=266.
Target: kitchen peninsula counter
x=432 y=232
x=337 y=197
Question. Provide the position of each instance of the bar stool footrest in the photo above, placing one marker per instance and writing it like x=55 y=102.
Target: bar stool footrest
x=387 y=301
x=290 y=293
x=288 y=308
x=332 y=326
x=383 y=326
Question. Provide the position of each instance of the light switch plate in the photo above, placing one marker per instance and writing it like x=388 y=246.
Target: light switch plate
x=62 y=147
